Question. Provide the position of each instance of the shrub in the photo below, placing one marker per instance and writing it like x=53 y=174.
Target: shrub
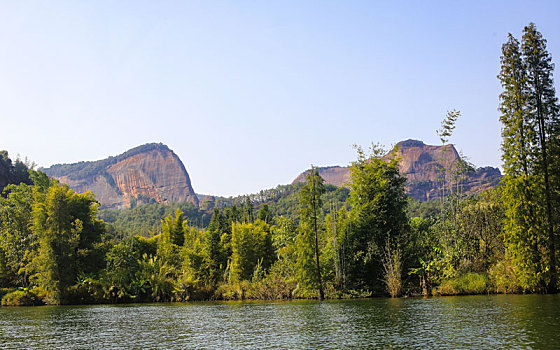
x=87 y=291
x=503 y=279
x=392 y=267
x=4 y=291
x=21 y=298
x=468 y=283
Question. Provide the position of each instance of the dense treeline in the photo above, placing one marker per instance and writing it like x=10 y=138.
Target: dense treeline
x=310 y=240
x=12 y=172
x=283 y=200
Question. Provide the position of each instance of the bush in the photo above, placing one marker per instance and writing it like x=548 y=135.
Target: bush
x=503 y=279
x=4 y=291
x=468 y=283
x=21 y=298
x=86 y=291
x=233 y=290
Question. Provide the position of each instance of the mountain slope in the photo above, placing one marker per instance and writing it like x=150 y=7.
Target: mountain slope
x=144 y=174
x=423 y=165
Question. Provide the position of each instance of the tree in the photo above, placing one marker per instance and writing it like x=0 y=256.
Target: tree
x=544 y=114
x=172 y=229
x=529 y=114
x=307 y=244
x=334 y=252
x=264 y=214
x=17 y=240
x=215 y=256
x=448 y=125
x=123 y=262
x=251 y=246
x=13 y=172
x=444 y=133
x=248 y=211
x=67 y=229
x=517 y=138
x=378 y=216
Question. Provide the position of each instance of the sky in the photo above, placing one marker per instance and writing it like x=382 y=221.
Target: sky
x=251 y=93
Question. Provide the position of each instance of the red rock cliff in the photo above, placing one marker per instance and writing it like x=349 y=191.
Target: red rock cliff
x=147 y=173
x=422 y=165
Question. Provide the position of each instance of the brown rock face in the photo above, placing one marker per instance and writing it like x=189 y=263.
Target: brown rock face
x=147 y=173
x=333 y=175
x=423 y=166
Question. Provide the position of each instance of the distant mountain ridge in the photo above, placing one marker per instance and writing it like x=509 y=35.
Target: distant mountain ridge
x=423 y=167
x=154 y=173
x=144 y=174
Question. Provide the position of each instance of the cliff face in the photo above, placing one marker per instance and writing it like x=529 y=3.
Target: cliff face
x=333 y=175
x=148 y=173
x=423 y=165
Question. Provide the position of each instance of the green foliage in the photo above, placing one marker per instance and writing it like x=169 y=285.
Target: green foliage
x=67 y=230
x=145 y=219
x=172 y=229
x=21 y=298
x=310 y=228
x=392 y=266
x=530 y=117
x=335 y=252
x=378 y=215
x=503 y=278
x=158 y=276
x=251 y=245
x=448 y=125
x=123 y=263
x=264 y=214
x=13 y=172
x=468 y=283
x=290 y=241
x=87 y=290
x=17 y=239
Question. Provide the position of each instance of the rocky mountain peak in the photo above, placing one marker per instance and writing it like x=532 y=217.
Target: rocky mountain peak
x=144 y=174
x=423 y=165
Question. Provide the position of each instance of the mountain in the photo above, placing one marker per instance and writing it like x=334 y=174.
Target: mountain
x=144 y=174
x=422 y=165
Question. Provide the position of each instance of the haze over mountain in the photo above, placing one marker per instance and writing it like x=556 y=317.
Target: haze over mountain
x=147 y=173
x=423 y=166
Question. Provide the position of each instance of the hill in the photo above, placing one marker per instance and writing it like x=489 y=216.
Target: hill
x=150 y=173
x=423 y=165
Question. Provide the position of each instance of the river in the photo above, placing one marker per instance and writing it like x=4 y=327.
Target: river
x=464 y=322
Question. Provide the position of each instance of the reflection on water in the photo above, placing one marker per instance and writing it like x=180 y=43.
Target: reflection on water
x=470 y=322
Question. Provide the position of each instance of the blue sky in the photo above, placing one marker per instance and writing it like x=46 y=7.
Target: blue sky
x=249 y=94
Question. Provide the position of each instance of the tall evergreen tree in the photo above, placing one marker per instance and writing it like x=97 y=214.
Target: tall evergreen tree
x=529 y=114
x=517 y=136
x=215 y=256
x=543 y=113
x=307 y=243
x=248 y=211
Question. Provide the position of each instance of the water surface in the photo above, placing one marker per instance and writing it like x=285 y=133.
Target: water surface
x=469 y=322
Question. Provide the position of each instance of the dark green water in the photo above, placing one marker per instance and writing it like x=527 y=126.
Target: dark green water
x=470 y=322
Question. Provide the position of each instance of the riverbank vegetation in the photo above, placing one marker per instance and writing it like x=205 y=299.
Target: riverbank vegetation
x=308 y=240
